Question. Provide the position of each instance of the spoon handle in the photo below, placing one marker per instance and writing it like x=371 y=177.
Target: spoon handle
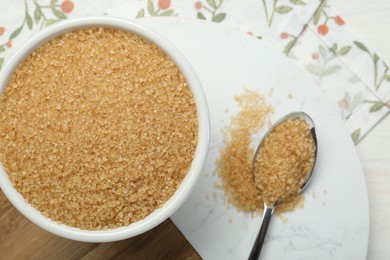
x=256 y=249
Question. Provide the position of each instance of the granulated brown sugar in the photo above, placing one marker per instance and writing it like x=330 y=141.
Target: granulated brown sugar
x=98 y=128
x=236 y=157
x=235 y=162
x=284 y=160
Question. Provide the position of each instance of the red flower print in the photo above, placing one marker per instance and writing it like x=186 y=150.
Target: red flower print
x=323 y=29
x=284 y=35
x=387 y=104
x=315 y=55
x=2 y=30
x=164 y=4
x=339 y=20
x=250 y=33
x=342 y=104
x=67 y=6
x=9 y=44
x=198 y=5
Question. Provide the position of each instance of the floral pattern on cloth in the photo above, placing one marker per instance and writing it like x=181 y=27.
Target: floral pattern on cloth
x=35 y=14
x=310 y=32
x=354 y=77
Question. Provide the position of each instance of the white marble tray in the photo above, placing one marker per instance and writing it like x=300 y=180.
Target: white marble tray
x=334 y=223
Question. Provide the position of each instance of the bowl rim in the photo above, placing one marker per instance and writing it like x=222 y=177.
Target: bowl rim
x=188 y=183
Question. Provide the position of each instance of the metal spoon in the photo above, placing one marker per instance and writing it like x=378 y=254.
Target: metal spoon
x=269 y=209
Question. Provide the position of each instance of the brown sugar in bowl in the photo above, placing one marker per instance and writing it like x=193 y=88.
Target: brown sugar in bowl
x=152 y=201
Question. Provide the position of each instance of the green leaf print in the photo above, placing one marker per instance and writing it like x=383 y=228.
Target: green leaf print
x=212 y=3
x=323 y=51
x=16 y=32
x=141 y=14
x=51 y=21
x=201 y=16
x=379 y=76
x=167 y=13
x=376 y=107
x=344 y=51
x=354 y=79
x=331 y=70
x=151 y=7
x=333 y=49
x=289 y=46
x=297 y=2
x=283 y=9
x=211 y=11
x=219 y=17
x=361 y=46
x=314 y=69
x=29 y=21
x=355 y=135
x=37 y=14
x=317 y=14
x=57 y=13
x=375 y=58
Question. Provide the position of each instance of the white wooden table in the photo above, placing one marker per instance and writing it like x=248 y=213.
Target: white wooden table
x=371 y=21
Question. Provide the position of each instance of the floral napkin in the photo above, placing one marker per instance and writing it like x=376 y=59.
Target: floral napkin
x=310 y=32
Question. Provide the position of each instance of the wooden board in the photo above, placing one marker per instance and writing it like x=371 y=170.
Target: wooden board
x=21 y=239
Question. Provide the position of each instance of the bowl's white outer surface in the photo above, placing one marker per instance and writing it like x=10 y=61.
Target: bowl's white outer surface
x=159 y=215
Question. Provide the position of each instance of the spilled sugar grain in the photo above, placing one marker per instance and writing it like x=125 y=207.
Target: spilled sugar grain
x=235 y=162
x=234 y=165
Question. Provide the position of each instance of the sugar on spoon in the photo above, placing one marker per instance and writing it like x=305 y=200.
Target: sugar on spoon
x=270 y=206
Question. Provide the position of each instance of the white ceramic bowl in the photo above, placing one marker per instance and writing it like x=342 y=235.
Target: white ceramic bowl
x=189 y=181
